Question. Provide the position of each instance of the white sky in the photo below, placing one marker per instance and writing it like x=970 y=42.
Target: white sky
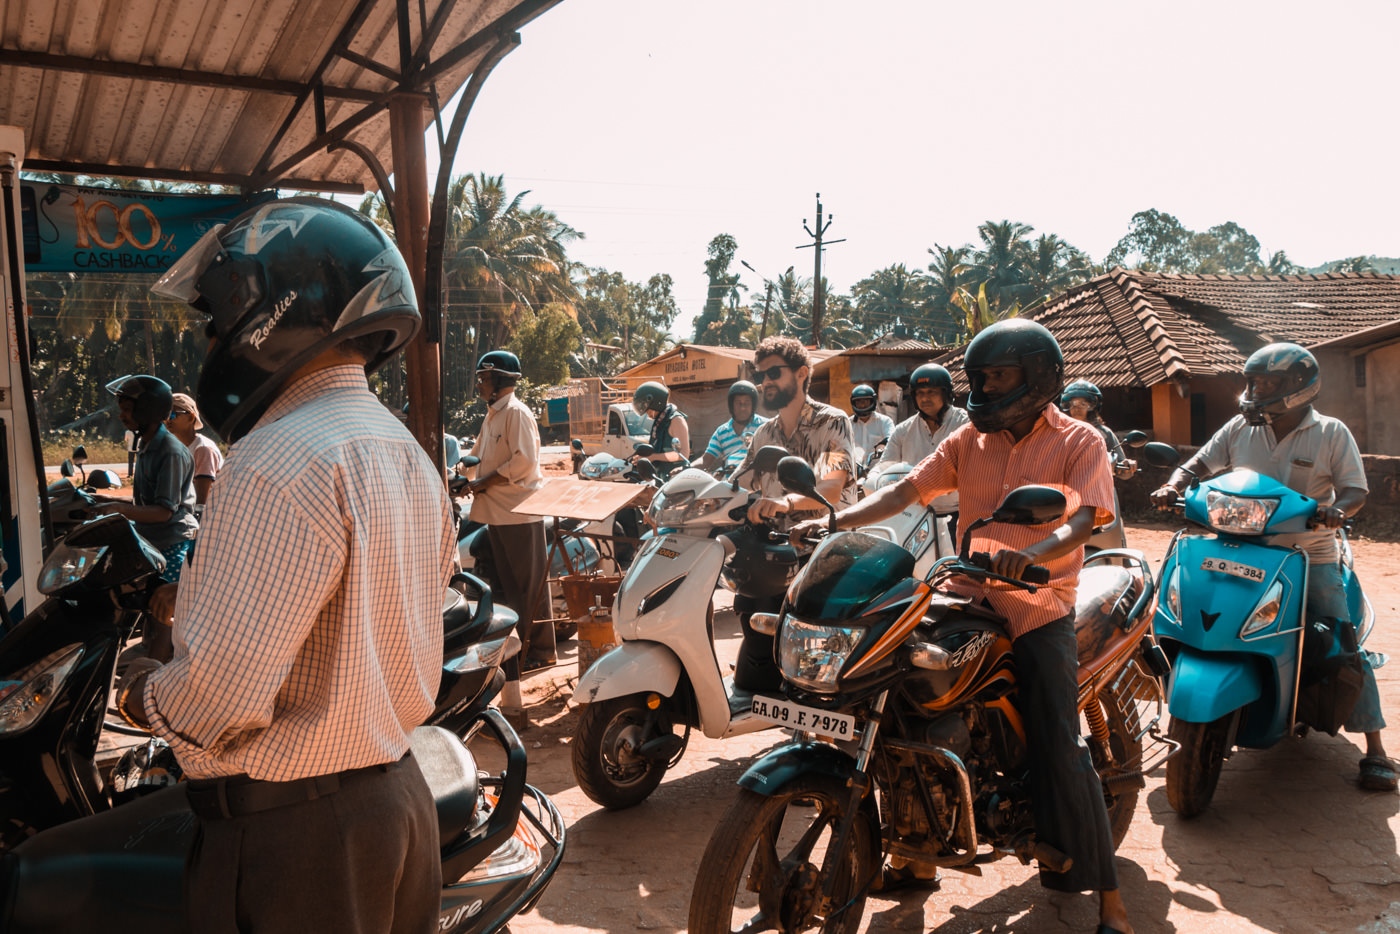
x=653 y=125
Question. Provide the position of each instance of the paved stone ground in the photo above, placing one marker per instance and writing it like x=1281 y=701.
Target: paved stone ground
x=1290 y=844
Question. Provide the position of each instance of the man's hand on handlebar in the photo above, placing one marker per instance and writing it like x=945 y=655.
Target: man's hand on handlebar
x=1164 y=497
x=808 y=528
x=1011 y=563
x=766 y=508
x=1329 y=517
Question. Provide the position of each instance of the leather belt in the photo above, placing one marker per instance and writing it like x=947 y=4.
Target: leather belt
x=239 y=795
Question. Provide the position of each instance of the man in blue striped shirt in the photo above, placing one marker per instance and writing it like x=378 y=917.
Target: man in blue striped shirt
x=730 y=442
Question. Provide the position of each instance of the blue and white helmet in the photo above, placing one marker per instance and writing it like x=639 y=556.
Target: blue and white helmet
x=1299 y=382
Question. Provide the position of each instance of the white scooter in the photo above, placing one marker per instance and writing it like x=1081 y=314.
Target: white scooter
x=919 y=529
x=665 y=672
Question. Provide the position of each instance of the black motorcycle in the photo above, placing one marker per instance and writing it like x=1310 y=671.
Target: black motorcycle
x=908 y=741
x=502 y=840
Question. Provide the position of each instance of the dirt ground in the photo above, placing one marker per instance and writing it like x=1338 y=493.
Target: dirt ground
x=1290 y=844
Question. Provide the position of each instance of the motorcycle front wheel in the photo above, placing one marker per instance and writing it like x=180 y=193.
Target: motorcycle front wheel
x=1193 y=773
x=768 y=859
x=605 y=752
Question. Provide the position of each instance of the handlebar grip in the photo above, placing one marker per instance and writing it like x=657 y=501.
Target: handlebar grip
x=1036 y=574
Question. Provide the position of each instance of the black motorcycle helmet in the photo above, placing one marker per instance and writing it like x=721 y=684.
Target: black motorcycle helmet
x=931 y=376
x=742 y=388
x=504 y=364
x=1082 y=389
x=1013 y=342
x=1299 y=384
x=863 y=399
x=151 y=398
x=651 y=396
x=282 y=283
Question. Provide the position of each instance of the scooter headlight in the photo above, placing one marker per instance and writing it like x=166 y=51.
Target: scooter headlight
x=675 y=511
x=26 y=694
x=1174 y=592
x=813 y=656
x=1266 y=613
x=601 y=469
x=1238 y=515
x=68 y=565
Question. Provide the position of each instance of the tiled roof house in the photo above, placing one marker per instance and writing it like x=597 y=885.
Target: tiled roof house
x=1167 y=349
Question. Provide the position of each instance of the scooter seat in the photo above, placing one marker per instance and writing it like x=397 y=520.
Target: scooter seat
x=120 y=870
x=450 y=772
x=1106 y=593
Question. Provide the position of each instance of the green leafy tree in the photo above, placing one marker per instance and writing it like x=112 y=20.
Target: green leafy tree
x=723 y=284
x=1000 y=264
x=942 y=321
x=1352 y=264
x=1051 y=265
x=543 y=341
x=1159 y=242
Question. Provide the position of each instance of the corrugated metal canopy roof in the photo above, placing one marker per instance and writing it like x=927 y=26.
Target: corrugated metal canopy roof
x=241 y=92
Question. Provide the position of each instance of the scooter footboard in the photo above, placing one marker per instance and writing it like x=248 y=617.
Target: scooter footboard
x=1204 y=688
x=630 y=668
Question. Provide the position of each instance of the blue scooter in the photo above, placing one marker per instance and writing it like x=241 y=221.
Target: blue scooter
x=1248 y=667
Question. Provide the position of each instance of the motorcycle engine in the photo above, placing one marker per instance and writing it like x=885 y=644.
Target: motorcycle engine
x=908 y=814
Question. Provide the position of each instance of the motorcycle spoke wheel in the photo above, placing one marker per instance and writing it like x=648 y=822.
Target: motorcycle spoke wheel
x=1194 y=771
x=606 y=763
x=768 y=859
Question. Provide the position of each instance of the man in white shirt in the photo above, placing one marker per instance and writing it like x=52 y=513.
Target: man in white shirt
x=509 y=448
x=1279 y=435
x=868 y=427
x=919 y=435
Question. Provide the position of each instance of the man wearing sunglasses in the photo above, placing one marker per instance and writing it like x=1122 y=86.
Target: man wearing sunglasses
x=819 y=434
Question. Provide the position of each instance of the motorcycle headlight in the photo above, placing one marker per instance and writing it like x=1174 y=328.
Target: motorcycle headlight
x=1238 y=515
x=1174 y=592
x=813 y=656
x=1266 y=613
x=68 y=565
x=26 y=694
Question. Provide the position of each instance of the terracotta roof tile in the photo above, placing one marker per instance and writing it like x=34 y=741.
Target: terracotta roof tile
x=1134 y=328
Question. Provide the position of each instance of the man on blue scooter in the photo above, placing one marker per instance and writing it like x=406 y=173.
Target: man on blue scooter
x=1280 y=435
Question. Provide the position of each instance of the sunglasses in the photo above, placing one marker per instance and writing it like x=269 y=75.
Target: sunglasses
x=772 y=373
x=175 y=415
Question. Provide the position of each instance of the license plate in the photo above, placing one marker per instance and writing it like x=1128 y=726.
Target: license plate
x=1233 y=568
x=786 y=713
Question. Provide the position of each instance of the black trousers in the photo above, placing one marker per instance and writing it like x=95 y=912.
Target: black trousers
x=755 y=670
x=521 y=557
x=1066 y=794
x=363 y=860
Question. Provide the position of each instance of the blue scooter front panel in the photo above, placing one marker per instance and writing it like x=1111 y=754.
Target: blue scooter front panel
x=1215 y=670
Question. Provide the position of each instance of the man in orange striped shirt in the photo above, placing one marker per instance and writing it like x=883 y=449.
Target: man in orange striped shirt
x=1018 y=436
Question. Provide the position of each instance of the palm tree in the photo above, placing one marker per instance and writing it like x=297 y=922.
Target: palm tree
x=1052 y=265
x=891 y=298
x=942 y=319
x=1001 y=263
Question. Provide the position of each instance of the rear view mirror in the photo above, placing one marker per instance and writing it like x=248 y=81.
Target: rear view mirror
x=576 y=444
x=1133 y=439
x=470 y=461
x=797 y=476
x=1158 y=454
x=104 y=480
x=642 y=470
x=643 y=450
x=768 y=458
x=80 y=455
x=1031 y=505
x=67 y=469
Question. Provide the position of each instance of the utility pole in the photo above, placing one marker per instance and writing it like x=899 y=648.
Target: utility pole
x=767 y=297
x=818 y=296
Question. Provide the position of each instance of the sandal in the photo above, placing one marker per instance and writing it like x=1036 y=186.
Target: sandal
x=894 y=880
x=1378 y=773
x=537 y=664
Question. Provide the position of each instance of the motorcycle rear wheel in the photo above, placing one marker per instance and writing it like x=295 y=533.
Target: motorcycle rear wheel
x=1193 y=773
x=780 y=841
x=604 y=752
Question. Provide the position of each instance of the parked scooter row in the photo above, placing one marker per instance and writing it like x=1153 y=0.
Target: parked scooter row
x=501 y=839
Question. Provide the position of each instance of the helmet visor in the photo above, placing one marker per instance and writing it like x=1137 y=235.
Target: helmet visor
x=180 y=281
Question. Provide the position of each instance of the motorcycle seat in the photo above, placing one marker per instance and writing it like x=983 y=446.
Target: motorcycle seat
x=121 y=870
x=450 y=772
x=1106 y=593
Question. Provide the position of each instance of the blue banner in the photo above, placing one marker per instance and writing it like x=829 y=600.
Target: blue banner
x=73 y=229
